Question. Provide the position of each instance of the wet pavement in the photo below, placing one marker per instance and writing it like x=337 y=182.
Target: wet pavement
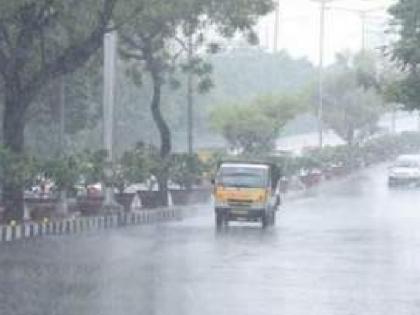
x=352 y=247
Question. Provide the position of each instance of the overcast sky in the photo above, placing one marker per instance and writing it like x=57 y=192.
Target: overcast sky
x=299 y=27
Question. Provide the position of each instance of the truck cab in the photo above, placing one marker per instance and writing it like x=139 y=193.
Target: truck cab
x=246 y=191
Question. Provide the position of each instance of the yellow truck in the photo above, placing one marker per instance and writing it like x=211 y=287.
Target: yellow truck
x=246 y=191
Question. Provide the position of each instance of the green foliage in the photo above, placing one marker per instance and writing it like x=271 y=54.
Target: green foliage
x=43 y=30
x=352 y=104
x=405 y=21
x=254 y=127
x=65 y=172
x=165 y=38
x=405 y=89
x=92 y=165
x=406 y=52
x=347 y=158
x=17 y=170
x=139 y=164
x=186 y=169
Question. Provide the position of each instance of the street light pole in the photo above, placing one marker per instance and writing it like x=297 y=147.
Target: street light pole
x=62 y=205
x=110 y=55
x=321 y=62
x=62 y=103
x=321 y=71
x=276 y=26
x=363 y=18
x=364 y=14
x=321 y=75
x=190 y=97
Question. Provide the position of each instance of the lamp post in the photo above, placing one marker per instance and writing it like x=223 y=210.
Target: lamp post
x=62 y=206
x=276 y=26
x=321 y=71
x=110 y=54
x=364 y=15
x=321 y=59
x=190 y=96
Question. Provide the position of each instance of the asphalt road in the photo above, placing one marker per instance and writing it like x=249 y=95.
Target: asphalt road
x=352 y=247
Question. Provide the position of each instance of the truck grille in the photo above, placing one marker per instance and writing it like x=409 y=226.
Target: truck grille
x=239 y=203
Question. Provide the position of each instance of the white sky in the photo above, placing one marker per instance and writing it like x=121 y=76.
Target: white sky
x=299 y=27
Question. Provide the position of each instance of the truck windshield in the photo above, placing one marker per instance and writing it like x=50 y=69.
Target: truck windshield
x=246 y=177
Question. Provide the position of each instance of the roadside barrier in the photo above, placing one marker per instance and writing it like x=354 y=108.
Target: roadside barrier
x=28 y=230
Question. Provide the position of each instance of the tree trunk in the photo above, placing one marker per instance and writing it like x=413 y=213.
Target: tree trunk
x=165 y=139
x=13 y=139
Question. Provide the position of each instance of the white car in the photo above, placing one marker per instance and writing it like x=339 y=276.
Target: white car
x=405 y=171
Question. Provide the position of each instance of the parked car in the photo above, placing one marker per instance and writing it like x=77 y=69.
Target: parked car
x=405 y=171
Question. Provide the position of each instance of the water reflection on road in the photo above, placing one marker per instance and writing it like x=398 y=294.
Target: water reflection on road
x=352 y=247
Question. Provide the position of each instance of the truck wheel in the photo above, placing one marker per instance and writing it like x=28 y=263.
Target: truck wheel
x=273 y=218
x=265 y=220
x=219 y=221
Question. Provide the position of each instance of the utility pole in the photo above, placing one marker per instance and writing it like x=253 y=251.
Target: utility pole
x=363 y=18
x=190 y=97
x=62 y=208
x=110 y=56
x=321 y=76
x=62 y=105
x=276 y=26
x=364 y=14
x=321 y=71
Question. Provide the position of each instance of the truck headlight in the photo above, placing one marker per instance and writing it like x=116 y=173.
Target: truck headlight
x=258 y=205
x=221 y=204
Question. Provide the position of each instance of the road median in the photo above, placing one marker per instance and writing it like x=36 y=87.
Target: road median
x=77 y=225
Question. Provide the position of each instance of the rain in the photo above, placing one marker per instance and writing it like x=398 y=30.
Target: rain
x=209 y=157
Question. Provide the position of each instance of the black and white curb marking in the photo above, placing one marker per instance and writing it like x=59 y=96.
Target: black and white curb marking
x=10 y=233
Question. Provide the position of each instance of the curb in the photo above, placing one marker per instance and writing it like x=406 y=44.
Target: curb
x=9 y=233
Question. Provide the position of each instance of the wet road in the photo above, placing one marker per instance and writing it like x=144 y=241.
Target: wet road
x=351 y=248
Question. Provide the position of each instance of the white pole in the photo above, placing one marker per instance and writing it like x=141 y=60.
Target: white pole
x=190 y=98
x=321 y=74
x=62 y=206
x=110 y=46
x=363 y=18
x=276 y=26
x=62 y=105
x=110 y=54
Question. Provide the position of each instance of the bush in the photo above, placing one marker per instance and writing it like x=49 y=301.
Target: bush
x=65 y=172
x=186 y=170
x=17 y=170
x=348 y=158
x=138 y=164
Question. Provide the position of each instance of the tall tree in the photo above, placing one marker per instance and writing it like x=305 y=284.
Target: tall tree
x=352 y=102
x=253 y=128
x=39 y=41
x=158 y=42
x=405 y=51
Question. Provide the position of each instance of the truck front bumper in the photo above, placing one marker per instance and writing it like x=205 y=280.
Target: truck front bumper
x=241 y=214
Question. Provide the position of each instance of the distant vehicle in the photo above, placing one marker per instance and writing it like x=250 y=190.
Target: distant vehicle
x=246 y=191
x=405 y=171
